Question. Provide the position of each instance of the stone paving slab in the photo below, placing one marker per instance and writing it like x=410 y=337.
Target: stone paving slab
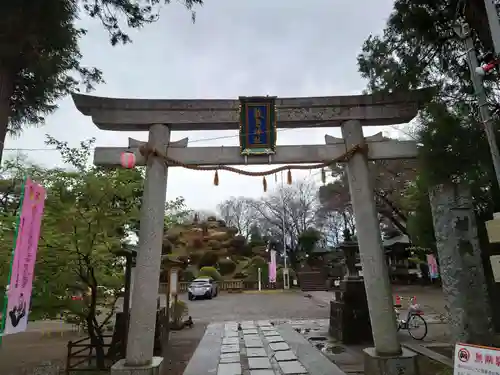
x=277 y=346
x=292 y=368
x=250 y=332
x=272 y=332
x=229 y=369
x=254 y=343
x=285 y=355
x=261 y=363
x=251 y=336
x=230 y=358
x=234 y=348
x=256 y=352
x=272 y=339
x=262 y=372
x=230 y=340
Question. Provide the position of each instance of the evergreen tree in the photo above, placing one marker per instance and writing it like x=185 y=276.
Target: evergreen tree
x=40 y=60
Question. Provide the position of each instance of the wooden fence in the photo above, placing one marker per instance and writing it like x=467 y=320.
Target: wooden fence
x=226 y=285
x=81 y=356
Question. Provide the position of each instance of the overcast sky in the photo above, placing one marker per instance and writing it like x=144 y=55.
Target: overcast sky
x=286 y=48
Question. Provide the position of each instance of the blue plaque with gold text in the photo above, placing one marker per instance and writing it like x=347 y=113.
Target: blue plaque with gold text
x=258 y=125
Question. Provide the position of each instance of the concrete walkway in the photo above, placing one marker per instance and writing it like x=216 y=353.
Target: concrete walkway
x=257 y=348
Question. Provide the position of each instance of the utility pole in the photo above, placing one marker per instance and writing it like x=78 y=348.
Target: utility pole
x=491 y=13
x=463 y=31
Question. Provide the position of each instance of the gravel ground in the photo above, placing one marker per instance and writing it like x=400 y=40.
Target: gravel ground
x=181 y=347
x=21 y=353
x=256 y=306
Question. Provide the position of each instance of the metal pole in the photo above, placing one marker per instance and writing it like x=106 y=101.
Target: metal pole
x=260 y=279
x=286 y=280
x=463 y=31
x=491 y=13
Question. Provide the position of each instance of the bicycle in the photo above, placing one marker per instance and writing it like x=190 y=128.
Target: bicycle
x=413 y=321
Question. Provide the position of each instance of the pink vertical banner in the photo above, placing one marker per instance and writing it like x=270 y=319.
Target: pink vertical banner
x=272 y=267
x=23 y=265
x=433 y=267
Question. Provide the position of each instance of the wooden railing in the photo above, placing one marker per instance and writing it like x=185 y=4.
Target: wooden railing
x=225 y=285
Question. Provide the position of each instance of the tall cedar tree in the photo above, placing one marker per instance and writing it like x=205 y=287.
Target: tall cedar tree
x=40 y=57
x=419 y=48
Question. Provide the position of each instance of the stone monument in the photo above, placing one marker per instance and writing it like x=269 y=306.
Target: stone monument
x=457 y=241
x=258 y=119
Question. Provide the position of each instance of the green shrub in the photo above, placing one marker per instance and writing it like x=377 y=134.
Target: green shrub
x=197 y=243
x=238 y=241
x=258 y=261
x=240 y=275
x=187 y=275
x=239 y=258
x=178 y=311
x=209 y=259
x=226 y=266
x=194 y=257
x=214 y=244
x=210 y=272
x=252 y=269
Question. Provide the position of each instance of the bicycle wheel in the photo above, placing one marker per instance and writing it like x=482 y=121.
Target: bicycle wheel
x=417 y=327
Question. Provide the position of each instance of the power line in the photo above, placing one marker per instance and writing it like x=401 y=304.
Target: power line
x=208 y=139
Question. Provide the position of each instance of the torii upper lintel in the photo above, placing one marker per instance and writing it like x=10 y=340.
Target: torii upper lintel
x=221 y=114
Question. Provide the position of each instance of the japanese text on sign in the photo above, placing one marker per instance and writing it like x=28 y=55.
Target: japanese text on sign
x=472 y=359
x=257 y=114
x=26 y=244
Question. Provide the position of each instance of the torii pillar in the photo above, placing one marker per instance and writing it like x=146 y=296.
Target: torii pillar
x=349 y=112
x=387 y=357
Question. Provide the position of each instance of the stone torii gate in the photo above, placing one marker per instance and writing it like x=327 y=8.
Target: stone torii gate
x=161 y=117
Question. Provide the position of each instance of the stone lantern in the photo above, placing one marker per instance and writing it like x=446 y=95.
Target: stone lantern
x=349 y=314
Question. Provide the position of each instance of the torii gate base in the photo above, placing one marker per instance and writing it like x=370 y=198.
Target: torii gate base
x=349 y=112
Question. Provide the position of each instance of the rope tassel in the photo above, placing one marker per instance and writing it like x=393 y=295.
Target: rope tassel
x=216 y=178
x=289 y=177
x=264 y=183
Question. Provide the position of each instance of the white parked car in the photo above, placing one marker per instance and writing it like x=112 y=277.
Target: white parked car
x=204 y=287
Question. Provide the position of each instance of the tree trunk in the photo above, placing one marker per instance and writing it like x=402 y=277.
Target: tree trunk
x=462 y=272
x=6 y=91
x=97 y=341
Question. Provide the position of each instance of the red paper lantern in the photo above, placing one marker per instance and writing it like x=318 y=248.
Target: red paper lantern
x=127 y=159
